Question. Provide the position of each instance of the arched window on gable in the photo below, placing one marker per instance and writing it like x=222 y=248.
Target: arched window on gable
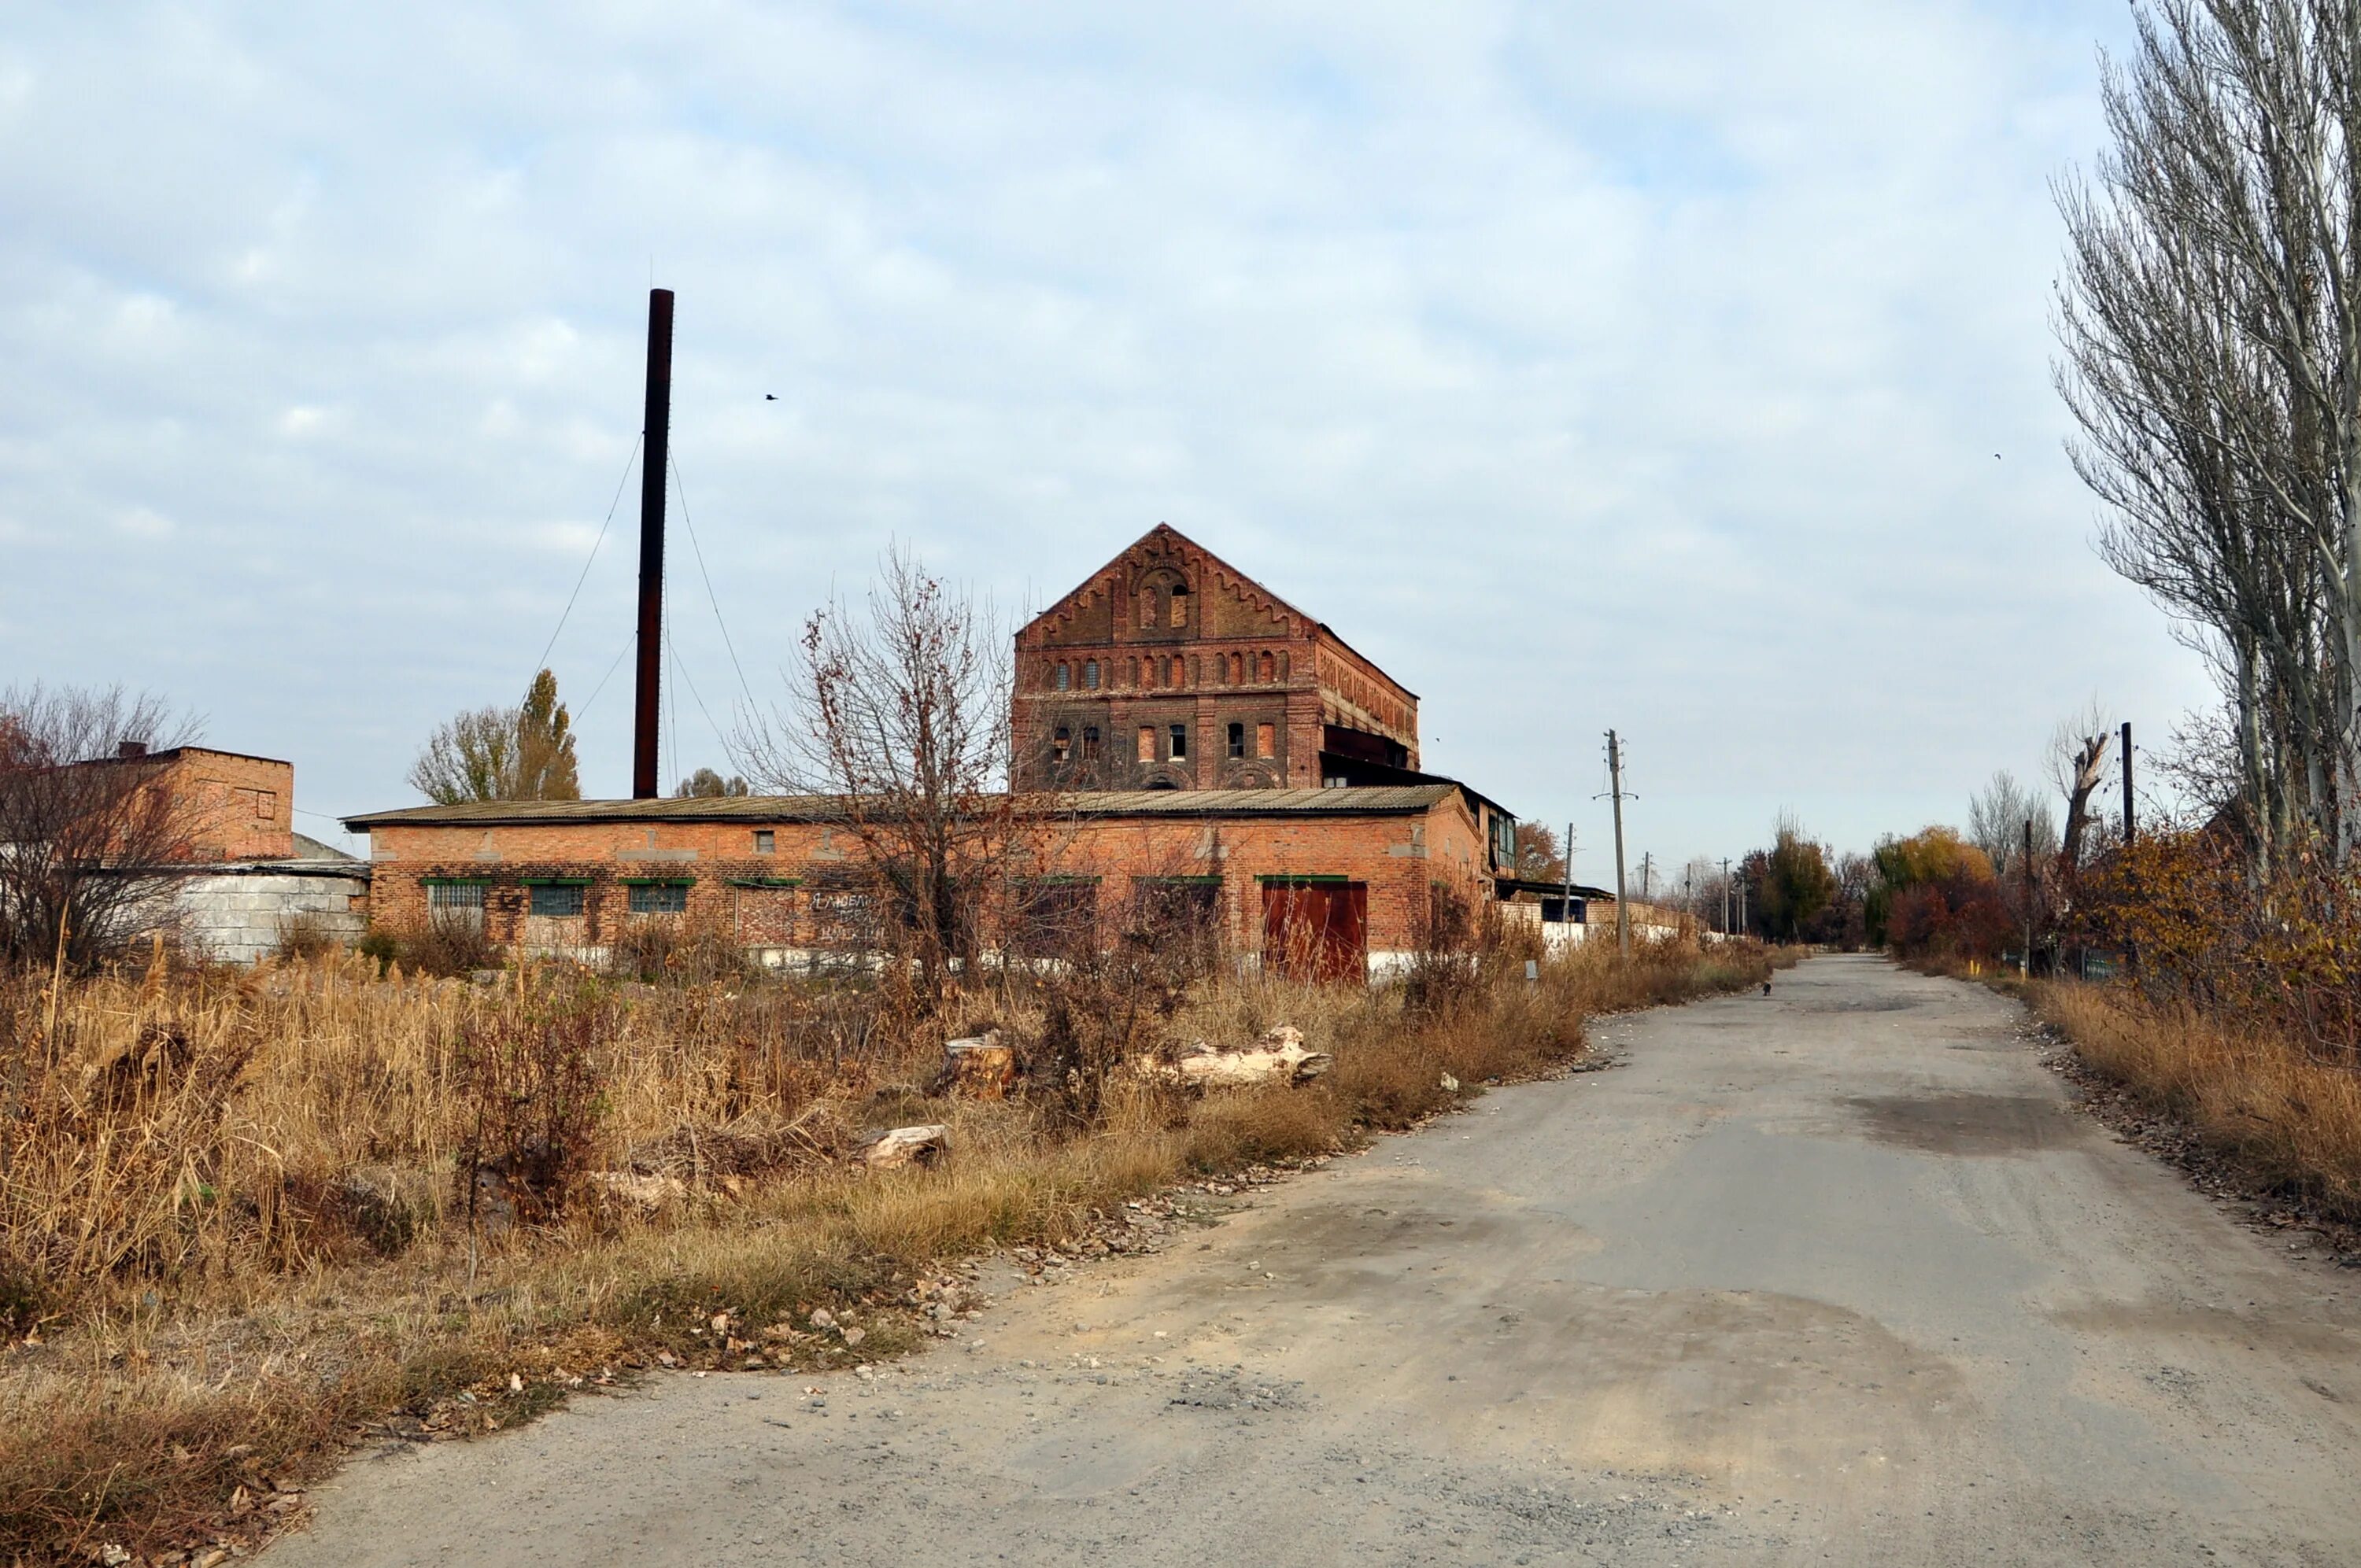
x=1180 y=604
x=1091 y=676
x=1064 y=678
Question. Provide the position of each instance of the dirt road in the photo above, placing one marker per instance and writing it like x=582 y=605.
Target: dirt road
x=1830 y=1277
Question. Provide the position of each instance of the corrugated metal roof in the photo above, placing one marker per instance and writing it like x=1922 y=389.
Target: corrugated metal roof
x=1379 y=800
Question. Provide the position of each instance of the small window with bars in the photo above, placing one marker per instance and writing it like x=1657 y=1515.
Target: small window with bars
x=559 y=900
x=456 y=895
x=659 y=898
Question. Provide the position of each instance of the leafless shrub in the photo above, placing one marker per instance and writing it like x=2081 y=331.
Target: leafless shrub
x=306 y=935
x=683 y=952
x=1446 y=967
x=532 y=1098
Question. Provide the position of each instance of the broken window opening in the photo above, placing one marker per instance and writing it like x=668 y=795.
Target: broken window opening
x=1180 y=741
x=1061 y=744
x=1180 y=605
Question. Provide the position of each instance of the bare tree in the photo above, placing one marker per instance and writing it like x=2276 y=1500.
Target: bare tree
x=900 y=712
x=2211 y=326
x=93 y=839
x=1997 y=816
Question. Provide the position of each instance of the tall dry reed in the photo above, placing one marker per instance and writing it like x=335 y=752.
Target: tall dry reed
x=2291 y=1114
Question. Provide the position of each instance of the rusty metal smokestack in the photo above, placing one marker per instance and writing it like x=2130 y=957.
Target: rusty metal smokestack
x=655 y=466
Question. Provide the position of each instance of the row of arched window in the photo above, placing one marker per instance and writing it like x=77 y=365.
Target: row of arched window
x=1175 y=671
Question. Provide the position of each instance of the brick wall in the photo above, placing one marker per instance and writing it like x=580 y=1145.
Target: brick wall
x=1117 y=656
x=242 y=808
x=767 y=900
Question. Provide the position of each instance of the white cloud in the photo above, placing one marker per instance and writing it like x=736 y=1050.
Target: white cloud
x=1629 y=365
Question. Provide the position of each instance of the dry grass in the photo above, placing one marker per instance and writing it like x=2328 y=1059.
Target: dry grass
x=234 y=1219
x=2290 y=1117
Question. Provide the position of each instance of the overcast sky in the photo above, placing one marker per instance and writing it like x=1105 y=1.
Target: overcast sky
x=1681 y=367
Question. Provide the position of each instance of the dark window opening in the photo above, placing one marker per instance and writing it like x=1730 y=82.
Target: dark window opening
x=556 y=901
x=660 y=898
x=1237 y=740
x=1180 y=740
x=1056 y=918
x=1061 y=744
x=1090 y=742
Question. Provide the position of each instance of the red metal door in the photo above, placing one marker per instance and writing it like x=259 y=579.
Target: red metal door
x=1316 y=930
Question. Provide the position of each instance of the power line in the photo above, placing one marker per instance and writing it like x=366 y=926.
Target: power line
x=543 y=663
x=680 y=487
x=726 y=752
x=612 y=668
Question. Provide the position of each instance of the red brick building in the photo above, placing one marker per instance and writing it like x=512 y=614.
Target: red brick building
x=1169 y=668
x=1178 y=729
x=1341 y=879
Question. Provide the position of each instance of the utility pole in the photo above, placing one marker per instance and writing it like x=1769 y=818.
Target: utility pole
x=1565 y=910
x=2127 y=781
x=1647 y=875
x=655 y=468
x=2027 y=966
x=1615 y=788
x=1725 y=896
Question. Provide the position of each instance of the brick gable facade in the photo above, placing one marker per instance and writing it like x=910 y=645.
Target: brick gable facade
x=1171 y=669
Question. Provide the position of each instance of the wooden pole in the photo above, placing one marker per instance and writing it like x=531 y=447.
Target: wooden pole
x=1615 y=786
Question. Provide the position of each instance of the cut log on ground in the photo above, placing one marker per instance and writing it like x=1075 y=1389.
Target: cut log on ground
x=639 y=1190
x=1278 y=1058
x=984 y=1067
x=899 y=1147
